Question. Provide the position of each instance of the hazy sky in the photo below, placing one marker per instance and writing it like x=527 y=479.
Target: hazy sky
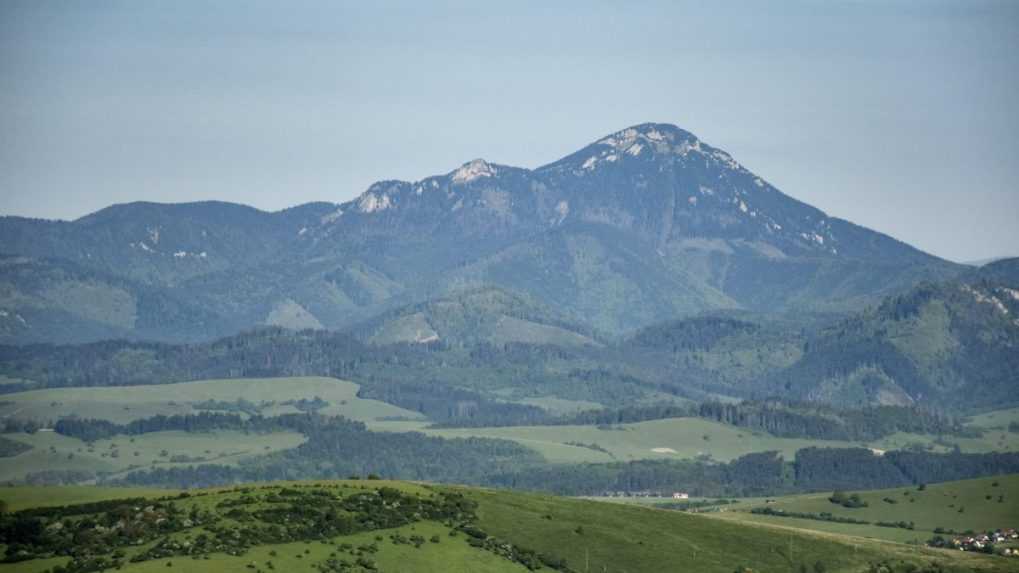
x=898 y=116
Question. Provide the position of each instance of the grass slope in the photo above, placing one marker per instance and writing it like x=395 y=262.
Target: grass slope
x=618 y=537
x=937 y=505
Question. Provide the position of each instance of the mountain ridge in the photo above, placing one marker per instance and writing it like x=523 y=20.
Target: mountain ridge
x=644 y=224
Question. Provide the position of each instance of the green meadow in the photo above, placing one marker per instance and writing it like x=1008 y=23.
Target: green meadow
x=677 y=438
x=978 y=504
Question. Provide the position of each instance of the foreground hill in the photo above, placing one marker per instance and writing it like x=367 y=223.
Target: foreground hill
x=398 y=526
x=645 y=224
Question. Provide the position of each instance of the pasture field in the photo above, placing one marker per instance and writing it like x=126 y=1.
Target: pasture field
x=52 y=451
x=596 y=536
x=123 y=404
x=559 y=406
x=673 y=438
x=976 y=504
x=677 y=438
x=993 y=440
x=998 y=419
x=589 y=535
x=687 y=438
x=25 y=496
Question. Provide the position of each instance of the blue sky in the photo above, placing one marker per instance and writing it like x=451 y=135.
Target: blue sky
x=897 y=116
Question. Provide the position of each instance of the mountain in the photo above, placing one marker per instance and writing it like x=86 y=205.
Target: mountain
x=953 y=344
x=646 y=224
x=987 y=261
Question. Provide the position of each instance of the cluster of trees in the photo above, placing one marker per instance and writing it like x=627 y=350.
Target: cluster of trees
x=751 y=475
x=90 y=430
x=10 y=448
x=801 y=420
x=851 y=501
x=759 y=474
x=22 y=425
x=823 y=516
x=455 y=407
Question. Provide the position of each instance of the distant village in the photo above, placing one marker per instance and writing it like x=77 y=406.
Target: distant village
x=647 y=494
x=982 y=543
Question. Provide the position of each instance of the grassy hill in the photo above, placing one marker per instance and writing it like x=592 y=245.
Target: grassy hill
x=410 y=527
x=978 y=504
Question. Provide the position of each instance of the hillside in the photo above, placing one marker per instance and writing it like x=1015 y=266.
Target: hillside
x=952 y=346
x=980 y=505
x=934 y=343
x=647 y=224
x=481 y=315
x=58 y=301
x=397 y=526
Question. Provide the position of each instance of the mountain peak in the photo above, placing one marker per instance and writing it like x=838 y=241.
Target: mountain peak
x=474 y=169
x=643 y=141
x=657 y=137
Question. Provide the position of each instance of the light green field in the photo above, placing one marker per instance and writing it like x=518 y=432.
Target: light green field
x=125 y=403
x=993 y=440
x=673 y=438
x=936 y=506
x=684 y=438
x=52 y=451
x=590 y=535
x=617 y=537
x=558 y=406
x=25 y=496
x=998 y=419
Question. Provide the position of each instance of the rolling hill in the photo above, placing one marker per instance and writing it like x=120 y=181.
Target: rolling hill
x=397 y=526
